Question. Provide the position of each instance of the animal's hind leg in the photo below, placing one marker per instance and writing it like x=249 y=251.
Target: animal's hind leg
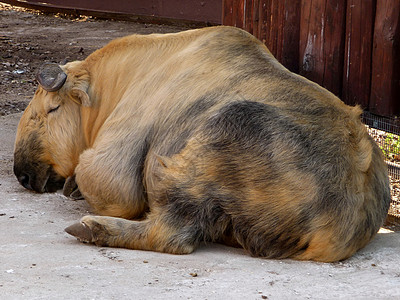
x=154 y=234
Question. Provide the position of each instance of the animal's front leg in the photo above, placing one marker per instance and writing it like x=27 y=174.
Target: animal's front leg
x=71 y=189
x=110 y=183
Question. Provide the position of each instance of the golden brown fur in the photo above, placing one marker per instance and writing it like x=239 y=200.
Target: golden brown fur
x=204 y=136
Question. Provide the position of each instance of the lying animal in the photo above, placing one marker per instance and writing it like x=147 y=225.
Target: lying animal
x=201 y=136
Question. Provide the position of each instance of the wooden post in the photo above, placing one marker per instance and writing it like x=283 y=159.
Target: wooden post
x=322 y=42
x=385 y=82
x=358 y=52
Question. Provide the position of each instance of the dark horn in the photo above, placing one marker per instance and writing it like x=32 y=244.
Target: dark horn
x=51 y=77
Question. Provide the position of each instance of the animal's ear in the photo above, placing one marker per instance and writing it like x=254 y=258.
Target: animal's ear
x=78 y=84
x=79 y=89
x=81 y=96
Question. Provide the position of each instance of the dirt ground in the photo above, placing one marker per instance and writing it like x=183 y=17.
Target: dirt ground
x=40 y=261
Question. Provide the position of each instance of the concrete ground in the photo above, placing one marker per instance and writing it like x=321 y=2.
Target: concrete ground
x=40 y=261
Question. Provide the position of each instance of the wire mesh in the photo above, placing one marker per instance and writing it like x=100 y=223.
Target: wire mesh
x=386 y=133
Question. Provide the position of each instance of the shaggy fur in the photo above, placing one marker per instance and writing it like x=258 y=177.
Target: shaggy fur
x=201 y=136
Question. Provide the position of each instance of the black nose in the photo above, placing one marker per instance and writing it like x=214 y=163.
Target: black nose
x=25 y=181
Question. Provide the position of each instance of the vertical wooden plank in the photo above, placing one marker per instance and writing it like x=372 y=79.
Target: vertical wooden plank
x=263 y=12
x=278 y=9
x=308 y=64
x=385 y=81
x=358 y=52
x=322 y=42
x=227 y=12
x=248 y=15
x=239 y=9
x=272 y=26
x=291 y=35
x=234 y=12
x=256 y=12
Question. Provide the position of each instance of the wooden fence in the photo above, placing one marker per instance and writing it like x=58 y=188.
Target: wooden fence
x=351 y=47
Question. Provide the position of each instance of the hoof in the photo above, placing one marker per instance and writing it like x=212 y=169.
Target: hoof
x=76 y=195
x=71 y=189
x=81 y=232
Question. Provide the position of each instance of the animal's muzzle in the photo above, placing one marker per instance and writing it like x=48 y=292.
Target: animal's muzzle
x=43 y=180
x=31 y=171
x=25 y=181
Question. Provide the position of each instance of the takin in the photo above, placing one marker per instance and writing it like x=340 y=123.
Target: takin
x=203 y=136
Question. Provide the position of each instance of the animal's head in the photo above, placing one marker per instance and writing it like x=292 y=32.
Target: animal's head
x=49 y=136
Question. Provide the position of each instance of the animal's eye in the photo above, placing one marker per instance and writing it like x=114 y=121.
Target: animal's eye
x=53 y=109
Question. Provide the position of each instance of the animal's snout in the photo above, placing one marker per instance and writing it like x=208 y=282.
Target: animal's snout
x=38 y=177
x=25 y=181
x=24 y=177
